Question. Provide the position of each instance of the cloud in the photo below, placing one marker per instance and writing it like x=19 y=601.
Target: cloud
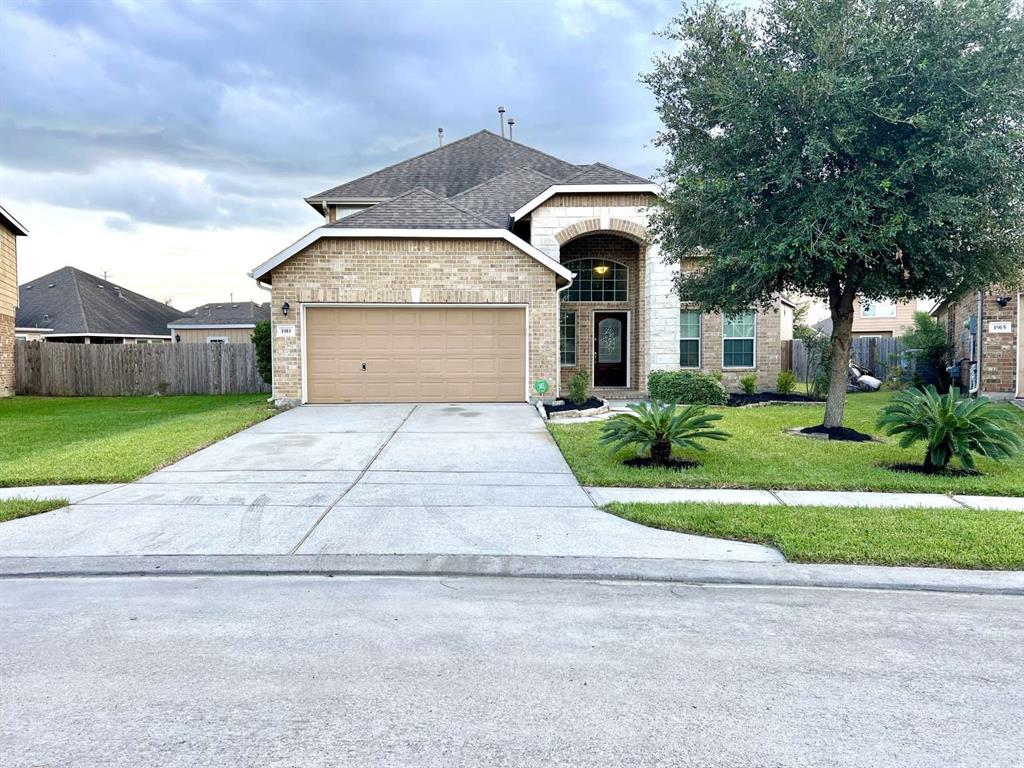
x=225 y=115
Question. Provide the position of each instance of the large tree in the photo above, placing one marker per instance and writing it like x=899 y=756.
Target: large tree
x=842 y=148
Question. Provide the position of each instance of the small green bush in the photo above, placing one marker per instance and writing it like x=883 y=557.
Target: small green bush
x=655 y=428
x=261 y=343
x=686 y=387
x=578 y=388
x=748 y=384
x=785 y=383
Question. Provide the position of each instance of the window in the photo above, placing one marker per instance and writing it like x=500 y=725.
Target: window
x=216 y=339
x=567 y=338
x=877 y=309
x=596 y=280
x=689 y=338
x=738 y=333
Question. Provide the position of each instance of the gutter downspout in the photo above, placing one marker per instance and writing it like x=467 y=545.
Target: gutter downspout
x=977 y=343
x=558 y=335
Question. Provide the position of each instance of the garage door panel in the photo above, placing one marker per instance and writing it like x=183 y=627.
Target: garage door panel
x=439 y=354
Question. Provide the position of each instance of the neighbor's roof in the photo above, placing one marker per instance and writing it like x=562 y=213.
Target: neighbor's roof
x=71 y=301
x=229 y=313
x=416 y=209
x=11 y=223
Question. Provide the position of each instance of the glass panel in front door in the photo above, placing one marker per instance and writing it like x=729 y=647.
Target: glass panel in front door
x=609 y=340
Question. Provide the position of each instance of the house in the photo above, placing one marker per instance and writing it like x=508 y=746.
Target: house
x=222 y=323
x=486 y=270
x=879 y=319
x=10 y=231
x=984 y=328
x=72 y=306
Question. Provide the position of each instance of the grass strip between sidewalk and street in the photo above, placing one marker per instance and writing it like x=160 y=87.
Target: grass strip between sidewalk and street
x=73 y=440
x=12 y=509
x=950 y=538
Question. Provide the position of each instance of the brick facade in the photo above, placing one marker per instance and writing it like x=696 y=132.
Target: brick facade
x=998 y=368
x=8 y=307
x=390 y=270
x=6 y=355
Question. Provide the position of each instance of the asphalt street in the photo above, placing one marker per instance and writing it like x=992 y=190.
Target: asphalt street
x=428 y=671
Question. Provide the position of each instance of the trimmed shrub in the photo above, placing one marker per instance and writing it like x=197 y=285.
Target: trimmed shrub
x=261 y=343
x=578 y=388
x=686 y=387
x=785 y=383
x=748 y=384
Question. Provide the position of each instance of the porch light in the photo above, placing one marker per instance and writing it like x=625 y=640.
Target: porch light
x=601 y=270
x=284 y=308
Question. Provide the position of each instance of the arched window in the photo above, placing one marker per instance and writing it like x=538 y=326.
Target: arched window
x=596 y=280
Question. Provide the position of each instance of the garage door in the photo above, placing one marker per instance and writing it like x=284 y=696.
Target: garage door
x=422 y=354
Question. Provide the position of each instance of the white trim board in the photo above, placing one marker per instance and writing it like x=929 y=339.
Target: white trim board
x=209 y=327
x=410 y=305
x=423 y=234
x=583 y=189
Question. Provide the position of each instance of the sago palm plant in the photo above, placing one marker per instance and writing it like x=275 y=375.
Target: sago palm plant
x=655 y=428
x=952 y=426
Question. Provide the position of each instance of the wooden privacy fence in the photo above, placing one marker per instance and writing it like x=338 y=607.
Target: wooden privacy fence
x=880 y=354
x=52 y=368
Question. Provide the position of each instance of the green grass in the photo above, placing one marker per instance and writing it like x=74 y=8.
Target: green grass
x=759 y=454
x=11 y=509
x=952 y=538
x=112 y=439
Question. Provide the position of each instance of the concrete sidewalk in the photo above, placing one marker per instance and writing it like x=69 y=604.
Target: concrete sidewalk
x=603 y=496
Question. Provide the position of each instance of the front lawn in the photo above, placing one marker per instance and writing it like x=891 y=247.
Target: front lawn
x=46 y=440
x=952 y=538
x=759 y=454
x=11 y=509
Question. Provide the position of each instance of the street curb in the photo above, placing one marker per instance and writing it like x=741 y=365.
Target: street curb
x=710 y=572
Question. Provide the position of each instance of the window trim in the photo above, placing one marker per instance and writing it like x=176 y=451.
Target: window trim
x=699 y=338
x=575 y=338
x=864 y=305
x=625 y=267
x=753 y=365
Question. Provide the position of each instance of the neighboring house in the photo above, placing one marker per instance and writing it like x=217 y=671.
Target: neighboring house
x=881 y=319
x=984 y=328
x=10 y=231
x=229 y=323
x=485 y=270
x=72 y=306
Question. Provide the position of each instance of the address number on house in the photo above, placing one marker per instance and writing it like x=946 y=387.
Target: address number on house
x=286 y=330
x=1000 y=327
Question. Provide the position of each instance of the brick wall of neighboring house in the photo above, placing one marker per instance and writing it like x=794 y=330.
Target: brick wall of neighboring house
x=998 y=362
x=350 y=270
x=8 y=307
x=613 y=247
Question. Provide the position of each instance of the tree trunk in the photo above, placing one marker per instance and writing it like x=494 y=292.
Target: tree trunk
x=841 y=307
x=661 y=452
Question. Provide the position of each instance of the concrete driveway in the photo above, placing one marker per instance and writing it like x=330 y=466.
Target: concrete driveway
x=363 y=479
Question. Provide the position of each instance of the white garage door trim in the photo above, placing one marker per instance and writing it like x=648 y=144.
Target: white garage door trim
x=412 y=305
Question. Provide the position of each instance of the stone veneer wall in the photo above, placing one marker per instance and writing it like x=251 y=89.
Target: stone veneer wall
x=625 y=214
x=998 y=370
x=351 y=270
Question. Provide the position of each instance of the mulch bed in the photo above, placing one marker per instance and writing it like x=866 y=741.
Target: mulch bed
x=738 y=400
x=843 y=434
x=568 y=405
x=677 y=464
x=921 y=469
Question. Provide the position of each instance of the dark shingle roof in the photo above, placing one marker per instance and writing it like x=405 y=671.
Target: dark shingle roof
x=230 y=313
x=497 y=198
x=72 y=301
x=451 y=169
x=416 y=209
x=599 y=173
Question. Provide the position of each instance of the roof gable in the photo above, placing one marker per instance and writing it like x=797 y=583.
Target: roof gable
x=70 y=301
x=417 y=209
x=450 y=169
x=224 y=313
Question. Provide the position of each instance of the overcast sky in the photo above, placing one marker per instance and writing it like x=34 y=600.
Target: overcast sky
x=172 y=144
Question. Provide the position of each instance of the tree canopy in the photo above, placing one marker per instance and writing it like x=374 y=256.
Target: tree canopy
x=836 y=148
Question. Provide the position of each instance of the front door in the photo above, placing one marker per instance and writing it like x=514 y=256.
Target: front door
x=610 y=349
